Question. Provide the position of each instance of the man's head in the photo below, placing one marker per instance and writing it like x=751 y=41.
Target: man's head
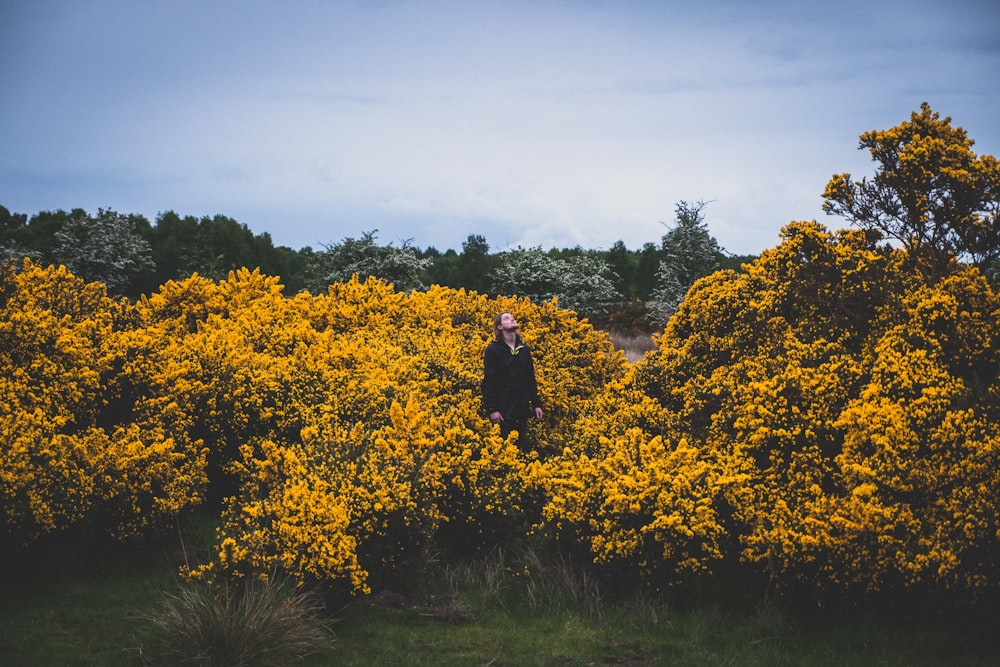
x=503 y=322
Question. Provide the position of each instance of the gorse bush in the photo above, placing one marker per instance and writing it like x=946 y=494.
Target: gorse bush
x=827 y=416
x=71 y=454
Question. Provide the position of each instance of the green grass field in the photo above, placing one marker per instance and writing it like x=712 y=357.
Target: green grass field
x=484 y=613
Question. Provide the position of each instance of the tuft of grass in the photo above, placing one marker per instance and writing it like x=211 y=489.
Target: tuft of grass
x=508 y=578
x=271 y=622
x=561 y=583
x=490 y=576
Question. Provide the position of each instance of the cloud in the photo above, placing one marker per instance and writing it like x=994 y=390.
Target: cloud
x=543 y=123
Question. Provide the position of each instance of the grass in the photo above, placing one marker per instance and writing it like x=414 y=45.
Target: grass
x=635 y=346
x=78 y=616
x=516 y=637
x=505 y=609
x=519 y=611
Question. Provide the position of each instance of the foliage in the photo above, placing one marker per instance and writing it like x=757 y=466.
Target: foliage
x=931 y=192
x=344 y=428
x=176 y=247
x=476 y=264
x=364 y=258
x=470 y=269
x=842 y=413
x=587 y=284
x=582 y=282
x=689 y=252
x=66 y=459
x=12 y=248
x=826 y=416
x=51 y=329
x=107 y=248
x=639 y=501
x=34 y=238
x=214 y=246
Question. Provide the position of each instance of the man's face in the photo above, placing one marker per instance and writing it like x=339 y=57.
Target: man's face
x=507 y=322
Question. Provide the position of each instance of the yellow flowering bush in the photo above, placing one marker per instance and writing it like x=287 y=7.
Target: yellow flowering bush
x=70 y=453
x=849 y=405
x=51 y=354
x=368 y=398
x=638 y=501
x=920 y=450
x=828 y=415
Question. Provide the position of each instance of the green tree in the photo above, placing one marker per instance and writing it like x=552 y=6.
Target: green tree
x=35 y=238
x=738 y=263
x=174 y=244
x=646 y=269
x=444 y=270
x=469 y=269
x=930 y=192
x=292 y=265
x=689 y=252
x=214 y=246
x=11 y=222
x=624 y=265
x=12 y=226
x=476 y=263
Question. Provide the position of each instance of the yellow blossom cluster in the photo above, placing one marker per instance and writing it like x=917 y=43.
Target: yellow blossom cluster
x=640 y=501
x=70 y=452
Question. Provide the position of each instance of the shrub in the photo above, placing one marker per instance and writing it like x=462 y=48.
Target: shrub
x=850 y=405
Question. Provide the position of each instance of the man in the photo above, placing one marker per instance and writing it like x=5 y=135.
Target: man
x=510 y=392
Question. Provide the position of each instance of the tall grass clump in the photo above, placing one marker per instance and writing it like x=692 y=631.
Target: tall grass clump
x=525 y=577
x=634 y=345
x=271 y=622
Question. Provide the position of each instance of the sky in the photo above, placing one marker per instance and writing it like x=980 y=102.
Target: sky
x=549 y=124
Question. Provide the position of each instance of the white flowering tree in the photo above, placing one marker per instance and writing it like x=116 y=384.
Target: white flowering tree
x=363 y=257
x=689 y=252
x=107 y=248
x=583 y=283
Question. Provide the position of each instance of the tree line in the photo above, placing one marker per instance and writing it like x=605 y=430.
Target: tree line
x=931 y=194
x=133 y=257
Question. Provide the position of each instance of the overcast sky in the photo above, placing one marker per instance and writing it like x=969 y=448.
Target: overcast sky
x=545 y=123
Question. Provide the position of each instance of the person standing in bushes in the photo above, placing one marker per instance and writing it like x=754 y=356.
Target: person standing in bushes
x=510 y=391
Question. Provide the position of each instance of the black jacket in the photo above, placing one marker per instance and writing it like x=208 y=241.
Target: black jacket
x=509 y=385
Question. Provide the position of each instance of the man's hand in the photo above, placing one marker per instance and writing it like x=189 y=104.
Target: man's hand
x=538 y=413
x=496 y=417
